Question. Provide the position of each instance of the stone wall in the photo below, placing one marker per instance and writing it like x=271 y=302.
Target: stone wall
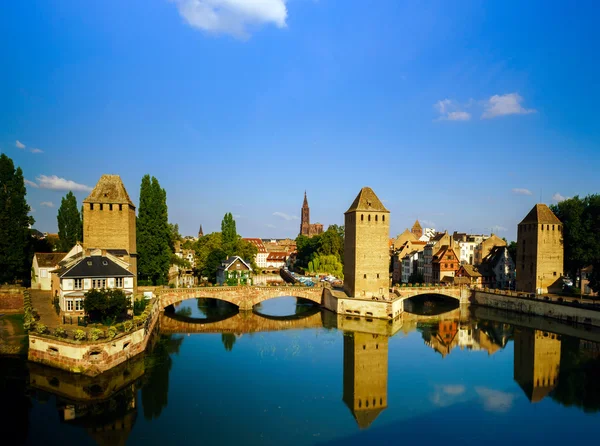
x=11 y=299
x=340 y=303
x=91 y=358
x=540 y=308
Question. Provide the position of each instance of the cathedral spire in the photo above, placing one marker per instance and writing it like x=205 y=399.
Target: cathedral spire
x=200 y=232
x=305 y=204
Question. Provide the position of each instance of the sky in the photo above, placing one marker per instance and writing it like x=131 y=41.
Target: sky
x=463 y=114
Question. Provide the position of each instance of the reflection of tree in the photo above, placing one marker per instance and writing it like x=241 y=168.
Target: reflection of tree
x=303 y=306
x=158 y=364
x=13 y=379
x=578 y=383
x=214 y=308
x=228 y=340
x=184 y=311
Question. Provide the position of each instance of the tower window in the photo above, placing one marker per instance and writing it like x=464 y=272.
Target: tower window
x=553 y=227
x=369 y=217
x=376 y=218
x=383 y=218
x=91 y=206
x=378 y=275
x=364 y=276
x=542 y=227
x=362 y=217
x=110 y=207
x=101 y=206
x=120 y=207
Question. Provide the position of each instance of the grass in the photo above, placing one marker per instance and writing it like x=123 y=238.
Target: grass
x=13 y=338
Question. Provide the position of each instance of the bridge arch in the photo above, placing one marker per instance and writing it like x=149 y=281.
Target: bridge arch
x=244 y=297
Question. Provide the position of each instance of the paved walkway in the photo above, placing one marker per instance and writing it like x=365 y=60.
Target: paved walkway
x=42 y=302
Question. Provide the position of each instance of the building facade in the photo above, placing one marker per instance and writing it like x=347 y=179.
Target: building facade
x=366 y=250
x=234 y=271
x=306 y=228
x=540 y=251
x=261 y=256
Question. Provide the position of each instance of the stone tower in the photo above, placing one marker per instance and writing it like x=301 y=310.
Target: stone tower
x=200 y=232
x=305 y=217
x=537 y=362
x=540 y=251
x=109 y=220
x=417 y=230
x=365 y=376
x=366 y=251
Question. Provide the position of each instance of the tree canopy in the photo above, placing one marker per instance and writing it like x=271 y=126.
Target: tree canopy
x=15 y=241
x=70 y=227
x=154 y=234
x=323 y=253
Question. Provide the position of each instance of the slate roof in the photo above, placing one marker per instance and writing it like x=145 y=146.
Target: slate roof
x=49 y=259
x=366 y=200
x=110 y=189
x=95 y=266
x=541 y=214
x=231 y=260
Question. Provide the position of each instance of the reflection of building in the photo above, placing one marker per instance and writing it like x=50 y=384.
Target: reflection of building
x=537 y=362
x=540 y=251
x=365 y=375
x=444 y=338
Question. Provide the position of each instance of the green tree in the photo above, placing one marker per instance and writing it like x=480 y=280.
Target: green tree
x=154 y=234
x=512 y=250
x=106 y=305
x=15 y=252
x=175 y=236
x=228 y=340
x=229 y=234
x=70 y=226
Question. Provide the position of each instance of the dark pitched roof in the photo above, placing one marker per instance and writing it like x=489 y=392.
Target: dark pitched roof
x=541 y=214
x=231 y=260
x=366 y=200
x=96 y=266
x=49 y=259
x=110 y=189
x=494 y=256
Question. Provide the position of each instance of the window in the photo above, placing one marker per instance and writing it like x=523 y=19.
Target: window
x=120 y=207
x=119 y=282
x=98 y=283
x=101 y=206
x=69 y=304
x=91 y=206
x=369 y=217
x=362 y=217
x=378 y=275
x=376 y=218
x=78 y=284
x=364 y=276
x=110 y=207
x=383 y=218
x=78 y=305
x=43 y=273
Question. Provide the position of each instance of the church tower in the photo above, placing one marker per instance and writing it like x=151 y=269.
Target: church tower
x=366 y=251
x=200 y=232
x=540 y=251
x=305 y=217
x=109 y=220
x=365 y=376
x=417 y=230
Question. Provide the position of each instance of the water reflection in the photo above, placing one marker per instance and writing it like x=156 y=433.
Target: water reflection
x=377 y=364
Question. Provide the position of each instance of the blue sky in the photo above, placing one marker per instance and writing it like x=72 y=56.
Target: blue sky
x=457 y=113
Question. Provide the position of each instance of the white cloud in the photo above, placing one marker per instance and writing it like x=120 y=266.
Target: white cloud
x=19 y=144
x=498 y=228
x=447 y=395
x=558 y=197
x=450 y=111
x=30 y=183
x=55 y=183
x=48 y=204
x=37 y=151
x=502 y=105
x=234 y=17
x=428 y=224
x=520 y=191
x=285 y=216
x=454 y=389
x=495 y=400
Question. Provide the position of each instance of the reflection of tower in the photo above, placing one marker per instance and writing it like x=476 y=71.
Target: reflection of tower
x=366 y=247
x=537 y=362
x=365 y=376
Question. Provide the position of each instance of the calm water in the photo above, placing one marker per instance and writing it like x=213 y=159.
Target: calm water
x=464 y=377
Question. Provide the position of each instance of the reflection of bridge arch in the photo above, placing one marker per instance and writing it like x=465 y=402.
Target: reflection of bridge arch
x=453 y=292
x=244 y=297
x=239 y=323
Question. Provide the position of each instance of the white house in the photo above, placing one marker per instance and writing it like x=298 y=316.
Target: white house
x=261 y=256
x=277 y=259
x=42 y=264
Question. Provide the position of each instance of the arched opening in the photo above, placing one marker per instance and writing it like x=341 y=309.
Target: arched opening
x=202 y=310
x=286 y=307
x=430 y=304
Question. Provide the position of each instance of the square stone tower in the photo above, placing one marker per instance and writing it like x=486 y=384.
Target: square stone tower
x=365 y=376
x=540 y=251
x=109 y=220
x=366 y=247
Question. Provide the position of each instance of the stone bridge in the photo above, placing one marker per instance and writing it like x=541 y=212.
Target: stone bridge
x=247 y=322
x=244 y=297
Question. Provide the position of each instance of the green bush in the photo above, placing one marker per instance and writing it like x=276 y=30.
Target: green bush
x=79 y=335
x=111 y=333
x=139 y=306
x=127 y=326
x=41 y=328
x=106 y=305
x=95 y=334
x=60 y=332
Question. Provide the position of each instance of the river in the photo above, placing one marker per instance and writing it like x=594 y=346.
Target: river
x=291 y=374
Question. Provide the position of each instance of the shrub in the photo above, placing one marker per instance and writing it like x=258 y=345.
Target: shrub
x=139 y=306
x=111 y=333
x=79 y=335
x=127 y=326
x=41 y=328
x=106 y=305
x=95 y=334
x=60 y=332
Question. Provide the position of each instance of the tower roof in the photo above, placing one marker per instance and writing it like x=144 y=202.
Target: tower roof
x=110 y=189
x=305 y=203
x=366 y=200
x=541 y=214
x=417 y=225
x=365 y=417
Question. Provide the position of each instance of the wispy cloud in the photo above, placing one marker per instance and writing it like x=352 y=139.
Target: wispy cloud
x=20 y=145
x=234 y=17
x=285 y=216
x=449 y=110
x=37 y=151
x=503 y=105
x=30 y=183
x=55 y=183
x=558 y=197
x=271 y=226
x=47 y=204
x=495 y=400
x=521 y=191
x=447 y=395
x=498 y=228
x=428 y=223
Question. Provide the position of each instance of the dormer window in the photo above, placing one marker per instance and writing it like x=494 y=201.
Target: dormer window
x=105 y=262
